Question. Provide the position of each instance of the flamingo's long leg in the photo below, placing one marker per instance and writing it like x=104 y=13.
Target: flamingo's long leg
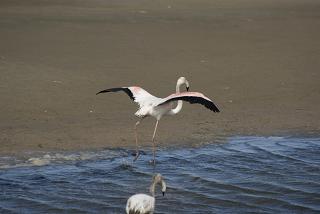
x=153 y=143
x=136 y=136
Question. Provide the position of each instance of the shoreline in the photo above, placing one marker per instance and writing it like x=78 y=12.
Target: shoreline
x=48 y=157
x=147 y=146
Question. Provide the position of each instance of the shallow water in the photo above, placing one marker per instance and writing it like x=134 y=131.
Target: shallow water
x=242 y=175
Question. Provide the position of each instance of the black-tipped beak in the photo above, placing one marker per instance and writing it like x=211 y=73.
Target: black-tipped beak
x=163 y=193
x=187 y=88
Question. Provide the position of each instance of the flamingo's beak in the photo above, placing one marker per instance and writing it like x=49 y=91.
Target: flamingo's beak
x=187 y=88
x=163 y=193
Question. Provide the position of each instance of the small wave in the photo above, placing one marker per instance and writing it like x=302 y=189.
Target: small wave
x=244 y=175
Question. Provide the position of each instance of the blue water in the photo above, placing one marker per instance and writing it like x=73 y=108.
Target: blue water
x=241 y=175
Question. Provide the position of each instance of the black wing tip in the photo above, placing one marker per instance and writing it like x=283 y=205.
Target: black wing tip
x=103 y=91
x=216 y=110
x=212 y=107
x=124 y=89
x=191 y=99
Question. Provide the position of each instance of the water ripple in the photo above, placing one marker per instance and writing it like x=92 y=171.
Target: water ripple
x=244 y=175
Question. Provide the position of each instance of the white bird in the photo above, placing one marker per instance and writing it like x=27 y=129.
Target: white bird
x=156 y=107
x=142 y=203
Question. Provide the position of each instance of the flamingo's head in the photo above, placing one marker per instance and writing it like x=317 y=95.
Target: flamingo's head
x=183 y=80
x=159 y=179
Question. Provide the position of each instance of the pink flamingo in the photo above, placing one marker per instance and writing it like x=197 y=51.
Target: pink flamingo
x=156 y=107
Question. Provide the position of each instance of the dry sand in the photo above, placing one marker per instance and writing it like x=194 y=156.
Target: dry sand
x=258 y=60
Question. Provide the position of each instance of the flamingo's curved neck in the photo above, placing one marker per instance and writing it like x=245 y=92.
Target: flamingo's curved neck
x=178 y=108
x=152 y=189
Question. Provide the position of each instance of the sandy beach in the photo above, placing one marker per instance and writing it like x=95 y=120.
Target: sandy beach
x=258 y=60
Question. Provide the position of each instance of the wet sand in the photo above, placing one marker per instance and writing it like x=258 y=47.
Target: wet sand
x=258 y=60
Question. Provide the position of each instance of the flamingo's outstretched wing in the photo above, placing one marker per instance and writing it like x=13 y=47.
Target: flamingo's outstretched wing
x=191 y=97
x=137 y=94
x=124 y=89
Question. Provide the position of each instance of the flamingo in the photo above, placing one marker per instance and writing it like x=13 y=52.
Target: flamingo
x=156 y=107
x=142 y=203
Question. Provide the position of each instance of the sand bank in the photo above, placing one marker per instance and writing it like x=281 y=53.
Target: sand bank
x=258 y=60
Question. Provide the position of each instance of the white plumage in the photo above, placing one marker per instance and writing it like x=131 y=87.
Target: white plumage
x=156 y=107
x=142 y=203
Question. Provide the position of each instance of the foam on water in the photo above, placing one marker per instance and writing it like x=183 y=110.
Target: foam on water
x=41 y=159
x=243 y=175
